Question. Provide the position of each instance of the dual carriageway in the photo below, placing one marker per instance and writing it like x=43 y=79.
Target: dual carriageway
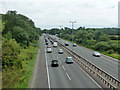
x=73 y=75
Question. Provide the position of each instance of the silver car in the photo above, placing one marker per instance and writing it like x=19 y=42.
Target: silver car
x=74 y=45
x=97 y=54
x=60 y=51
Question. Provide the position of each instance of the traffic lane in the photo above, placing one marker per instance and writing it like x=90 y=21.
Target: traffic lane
x=40 y=80
x=104 y=63
x=78 y=77
x=58 y=77
x=88 y=50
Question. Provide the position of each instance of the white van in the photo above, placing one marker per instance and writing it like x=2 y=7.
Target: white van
x=49 y=50
x=55 y=44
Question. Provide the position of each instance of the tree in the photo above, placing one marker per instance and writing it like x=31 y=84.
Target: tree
x=20 y=35
x=101 y=46
x=10 y=51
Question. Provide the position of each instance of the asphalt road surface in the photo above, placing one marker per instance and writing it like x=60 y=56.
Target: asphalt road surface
x=66 y=75
x=106 y=63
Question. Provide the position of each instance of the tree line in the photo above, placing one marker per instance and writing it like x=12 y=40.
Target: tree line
x=19 y=39
x=100 y=39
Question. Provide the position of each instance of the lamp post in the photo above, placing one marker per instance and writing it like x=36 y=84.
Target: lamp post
x=60 y=32
x=72 y=31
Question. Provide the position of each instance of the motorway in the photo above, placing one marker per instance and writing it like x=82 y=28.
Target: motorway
x=106 y=63
x=66 y=75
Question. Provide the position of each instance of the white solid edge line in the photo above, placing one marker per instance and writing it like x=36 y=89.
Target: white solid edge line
x=89 y=76
x=47 y=71
x=63 y=67
x=35 y=71
x=68 y=76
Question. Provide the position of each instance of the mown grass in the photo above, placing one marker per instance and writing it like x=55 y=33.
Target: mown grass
x=114 y=55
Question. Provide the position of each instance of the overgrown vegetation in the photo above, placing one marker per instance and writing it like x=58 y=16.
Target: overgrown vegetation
x=104 y=40
x=19 y=39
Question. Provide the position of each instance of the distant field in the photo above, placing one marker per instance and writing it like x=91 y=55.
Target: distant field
x=114 y=35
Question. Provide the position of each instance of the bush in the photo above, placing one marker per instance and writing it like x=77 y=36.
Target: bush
x=101 y=46
x=10 y=52
x=10 y=77
x=110 y=51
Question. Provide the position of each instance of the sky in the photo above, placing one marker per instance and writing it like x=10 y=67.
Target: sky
x=49 y=14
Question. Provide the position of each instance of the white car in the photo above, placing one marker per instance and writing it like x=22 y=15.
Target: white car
x=60 y=51
x=97 y=54
x=49 y=50
x=74 y=45
x=55 y=44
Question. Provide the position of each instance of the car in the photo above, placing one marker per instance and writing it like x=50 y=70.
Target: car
x=60 y=51
x=48 y=38
x=74 y=45
x=55 y=44
x=46 y=43
x=97 y=54
x=66 y=44
x=45 y=39
x=48 y=46
x=49 y=50
x=54 y=63
x=69 y=60
x=51 y=42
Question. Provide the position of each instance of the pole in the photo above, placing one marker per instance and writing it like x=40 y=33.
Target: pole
x=60 y=33
x=72 y=32
x=72 y=36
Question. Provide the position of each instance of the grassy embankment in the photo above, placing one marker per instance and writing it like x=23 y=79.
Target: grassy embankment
x=28 y=71
x=20 y=78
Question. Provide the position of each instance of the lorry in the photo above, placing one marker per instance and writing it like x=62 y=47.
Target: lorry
x=55 y=44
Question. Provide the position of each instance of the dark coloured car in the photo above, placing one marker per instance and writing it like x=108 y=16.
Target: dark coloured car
x=66 y=44
x=54 y=63
x=45 y=39
x=52 y=42
x=48 y=38
x=46 y=43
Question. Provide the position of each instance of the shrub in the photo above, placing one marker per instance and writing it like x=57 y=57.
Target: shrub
x=102 y=46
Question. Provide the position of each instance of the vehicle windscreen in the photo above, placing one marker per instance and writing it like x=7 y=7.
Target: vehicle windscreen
x=70 y=59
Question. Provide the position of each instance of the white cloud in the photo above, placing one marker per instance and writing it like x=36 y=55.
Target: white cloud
x=52 y=13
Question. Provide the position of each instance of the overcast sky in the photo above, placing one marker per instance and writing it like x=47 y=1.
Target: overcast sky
x=53 y=13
